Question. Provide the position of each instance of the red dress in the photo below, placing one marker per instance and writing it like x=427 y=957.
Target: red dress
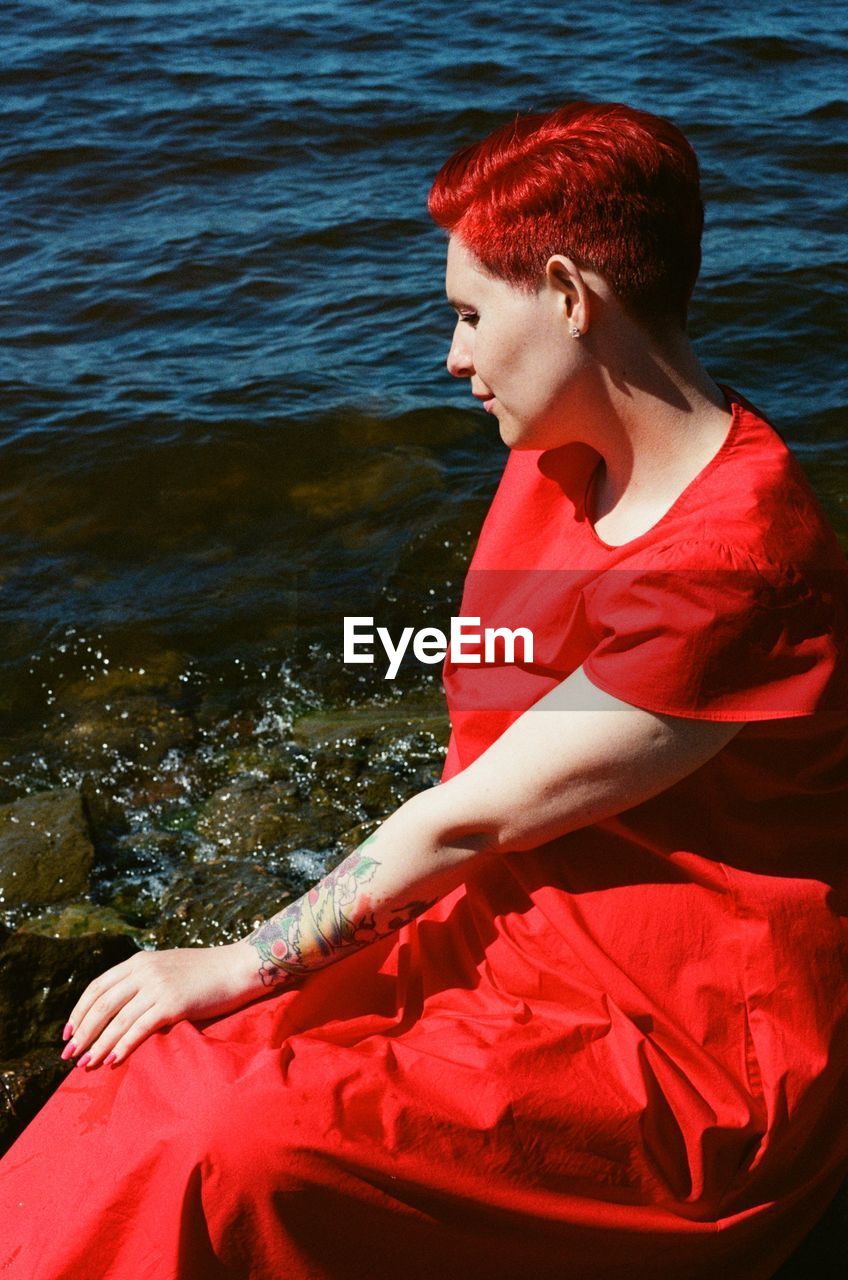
x=618 y=1055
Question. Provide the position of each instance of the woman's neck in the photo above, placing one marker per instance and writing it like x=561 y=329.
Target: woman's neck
x=660 y=419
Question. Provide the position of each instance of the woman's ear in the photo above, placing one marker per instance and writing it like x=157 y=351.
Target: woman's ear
x=565 y=277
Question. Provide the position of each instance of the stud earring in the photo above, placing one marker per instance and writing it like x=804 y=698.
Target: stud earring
x=575 y=332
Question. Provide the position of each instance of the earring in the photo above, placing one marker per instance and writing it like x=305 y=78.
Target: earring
x=575 y=332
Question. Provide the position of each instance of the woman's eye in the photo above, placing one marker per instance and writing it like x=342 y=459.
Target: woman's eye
x=469 y=317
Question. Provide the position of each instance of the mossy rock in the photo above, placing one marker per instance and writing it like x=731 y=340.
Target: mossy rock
x=46 y=851
x=77 y=920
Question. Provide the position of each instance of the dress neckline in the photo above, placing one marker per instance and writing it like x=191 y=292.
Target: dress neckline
x=724 y=448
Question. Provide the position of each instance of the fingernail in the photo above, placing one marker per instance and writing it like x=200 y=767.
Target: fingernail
x=84 y=1060
x=69 y=1050
x=113 y=1057
x=68 y=1032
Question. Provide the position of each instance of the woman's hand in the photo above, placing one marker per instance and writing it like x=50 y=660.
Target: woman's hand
x=154 y=989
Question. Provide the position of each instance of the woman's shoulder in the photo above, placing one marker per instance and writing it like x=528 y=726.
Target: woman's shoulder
x=756 y=507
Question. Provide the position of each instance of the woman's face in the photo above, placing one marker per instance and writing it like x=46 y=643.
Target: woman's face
x=517 y=350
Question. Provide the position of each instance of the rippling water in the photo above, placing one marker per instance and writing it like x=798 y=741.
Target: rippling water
x=226 y=414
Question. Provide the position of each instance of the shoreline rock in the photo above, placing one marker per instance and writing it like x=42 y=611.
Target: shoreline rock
x=46 y=850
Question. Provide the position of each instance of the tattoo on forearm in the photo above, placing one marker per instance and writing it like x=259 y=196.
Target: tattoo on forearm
x=333 y=917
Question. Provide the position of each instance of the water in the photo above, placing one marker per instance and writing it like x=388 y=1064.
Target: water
x=226 y=418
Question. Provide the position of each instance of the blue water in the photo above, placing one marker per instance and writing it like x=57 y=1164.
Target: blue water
x=221 y=300
x=218 y=210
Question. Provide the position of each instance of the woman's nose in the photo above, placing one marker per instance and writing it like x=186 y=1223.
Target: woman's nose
x=460 y=362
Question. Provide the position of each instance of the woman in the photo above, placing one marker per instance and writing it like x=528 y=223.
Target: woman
x=590 y=1015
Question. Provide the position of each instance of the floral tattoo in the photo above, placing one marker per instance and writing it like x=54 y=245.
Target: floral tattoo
x=335 y=916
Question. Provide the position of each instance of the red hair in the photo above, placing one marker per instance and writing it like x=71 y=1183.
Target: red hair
x=614 y=188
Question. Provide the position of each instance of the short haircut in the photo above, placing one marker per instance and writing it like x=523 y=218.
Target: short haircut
x=614 y=188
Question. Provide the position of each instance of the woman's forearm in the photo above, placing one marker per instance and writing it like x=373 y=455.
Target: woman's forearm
x=399 y=871
x=417 y=855
x=577 y=756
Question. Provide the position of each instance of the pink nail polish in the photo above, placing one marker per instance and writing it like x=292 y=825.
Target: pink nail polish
x=107 y=1062
x=69 y=1050
x=84 y=1060
x=68 y=1032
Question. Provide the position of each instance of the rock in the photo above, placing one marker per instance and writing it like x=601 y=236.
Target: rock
x=45 y=848
x=160 y=791
x=269 y=762
x=105 y=815
x=147 y=852
x=134 y=871
x=371 y=758
x=249 y=816
x=139 y=728
x=373 y=722
x=41 y=975
x=218 y=902
x=78 y=919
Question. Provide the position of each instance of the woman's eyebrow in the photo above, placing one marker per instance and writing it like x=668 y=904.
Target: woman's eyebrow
x=458 y=305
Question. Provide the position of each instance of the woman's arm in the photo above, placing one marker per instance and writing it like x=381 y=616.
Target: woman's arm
x=577 y=756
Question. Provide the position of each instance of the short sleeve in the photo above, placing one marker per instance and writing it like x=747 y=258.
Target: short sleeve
x=708 y=632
